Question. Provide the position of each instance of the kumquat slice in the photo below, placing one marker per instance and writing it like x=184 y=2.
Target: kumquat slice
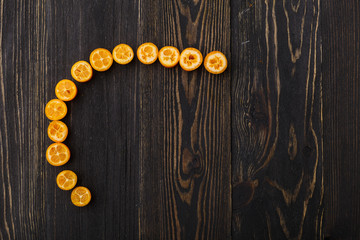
x=55 y=109
x=81 y=71
x=190 y=59
x=169 y=56
x=57 y=154
x=65 y=90
x=215 y=62
x=57 y=131
x=66 y=180
x=147 y=53
x=123 y=54
x=101 y=59
x=80 y=196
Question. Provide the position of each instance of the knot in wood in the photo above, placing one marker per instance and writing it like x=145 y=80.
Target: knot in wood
x=243 y=194
x=190 y=162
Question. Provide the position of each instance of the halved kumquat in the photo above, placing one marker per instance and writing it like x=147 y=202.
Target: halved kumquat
x=123 y=54
x=147 y=53
x=57 y=154
x=66 y=90
x=190 y=59
x=55 y=109
x=101 y=59
x=66 y=180
x=80 y=196
x=57 y=131
x=81 y=71
x=215 y=62
x=169 y=56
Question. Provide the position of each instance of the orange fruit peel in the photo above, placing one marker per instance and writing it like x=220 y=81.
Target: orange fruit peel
x=80 y=196
x=147 y=53
x=66 y=180
x=57 y=131
x=57 y=154
x=215 y=62
x=190 y=59
x=55 y=109
x=169 y=56
x=81 y=71
x=65 y=90
x=101 y=59
x=123 y=54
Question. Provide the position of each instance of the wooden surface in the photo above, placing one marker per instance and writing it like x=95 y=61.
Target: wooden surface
x=184 y=130
x=341 y=94
x=277 y=153
x=266 y=150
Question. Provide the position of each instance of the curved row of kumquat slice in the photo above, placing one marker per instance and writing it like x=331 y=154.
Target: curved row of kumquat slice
x=58 y=154
x=80 y=196
x=190 y=58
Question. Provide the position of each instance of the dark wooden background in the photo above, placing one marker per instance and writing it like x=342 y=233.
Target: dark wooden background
x=266 y=150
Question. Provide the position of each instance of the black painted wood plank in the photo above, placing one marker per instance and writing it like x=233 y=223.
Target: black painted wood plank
x=341 y=74
x=40 y=42
x=185 y=126
x=277 y=150
x=22 y=166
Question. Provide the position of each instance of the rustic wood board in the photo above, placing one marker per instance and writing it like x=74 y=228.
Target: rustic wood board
x=266 y=150
x=185 y=126
x=341 y=94
x=277 y=148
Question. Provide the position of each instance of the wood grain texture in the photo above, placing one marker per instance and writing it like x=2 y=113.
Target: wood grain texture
x=185 y=126
x=277 y=147
x=40 y=42
x=152 y=144
x=341 y=74
x=174 y=155
x=21 y=133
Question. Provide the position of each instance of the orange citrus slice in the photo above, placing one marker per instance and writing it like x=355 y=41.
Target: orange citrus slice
x=190 y=59
x=66 y=90
x=66 y=180
x=169 y=56
x=215 y=62
x=57 y=131
x=57 y=154
x=55 y=109
x=80 y=196
x=147 y=53
x=123 y=54
x=81 y=71
x=101 y=59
